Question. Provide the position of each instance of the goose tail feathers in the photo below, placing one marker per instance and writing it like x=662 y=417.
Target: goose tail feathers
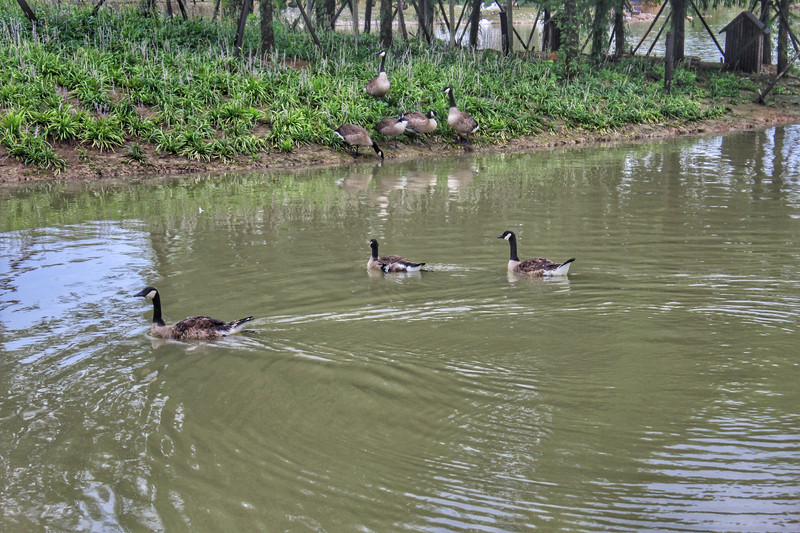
x=237 y=325
x=562 y=269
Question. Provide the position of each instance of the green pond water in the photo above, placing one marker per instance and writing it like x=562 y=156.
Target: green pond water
x=654 y=389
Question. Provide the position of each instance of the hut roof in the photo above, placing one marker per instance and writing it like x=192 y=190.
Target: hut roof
x=751 y=18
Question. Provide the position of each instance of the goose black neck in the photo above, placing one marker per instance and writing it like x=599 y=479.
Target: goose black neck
x=157 y=310
x=374 y=246
x=512 y=242
x=452 y=98
x=383 y=64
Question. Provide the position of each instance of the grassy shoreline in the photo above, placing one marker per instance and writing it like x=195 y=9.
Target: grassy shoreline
x=121 y=95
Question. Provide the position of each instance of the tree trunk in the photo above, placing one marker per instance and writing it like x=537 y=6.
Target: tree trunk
x=426 y=13
x=330 y=9
x=267 y=32
x=599 y=27
x=570 y=37
x=783 y=35
x=474 y=23
x=368 y=16
x=766 y=56
x=237 y=43
x=322 y=14
x=29 y=14
x=386 y=24
x=510 y=21
x=97 y=7
x=619 y=30
x=401 y=20
x=453 y=23
x=354 y=12
x=183 y=10
x=309 y=24
x=551 y=37
x=678 y=20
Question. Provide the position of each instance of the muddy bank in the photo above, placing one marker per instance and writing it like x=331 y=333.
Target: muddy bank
x=87 y=164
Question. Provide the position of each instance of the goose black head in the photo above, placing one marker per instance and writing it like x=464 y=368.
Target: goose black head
x=447 y=89
x=433 y=114
x=381 y=53
x=507 y=235
x=147 y=292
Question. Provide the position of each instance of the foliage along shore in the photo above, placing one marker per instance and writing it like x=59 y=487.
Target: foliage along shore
x=92 y=165
x=119 y=94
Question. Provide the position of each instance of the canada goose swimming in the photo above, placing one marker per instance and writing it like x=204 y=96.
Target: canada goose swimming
x=535 y=267
x=390 y=263
x=194 y=327
x=419 y=123
x=461 y=122
x=392 y=127
x=379 y=85
x=356 y=136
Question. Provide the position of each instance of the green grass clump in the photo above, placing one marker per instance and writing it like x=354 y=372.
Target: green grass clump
x=34 y=150
x=120 y=78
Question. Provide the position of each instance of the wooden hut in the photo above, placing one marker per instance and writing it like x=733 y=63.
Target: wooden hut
x=744 y=43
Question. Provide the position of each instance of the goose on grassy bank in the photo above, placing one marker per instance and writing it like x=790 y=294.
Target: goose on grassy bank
x=379 y=85
x=392 y=127
x=356 y=136
x=418 y=124
x=461 y=121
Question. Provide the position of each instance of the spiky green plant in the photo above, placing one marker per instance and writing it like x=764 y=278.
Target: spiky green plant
x=103 y=133
x=169 y=142
x=194 y=145
x=12 y=124
x=34 y=150
x=62 y=124
x=135 y=153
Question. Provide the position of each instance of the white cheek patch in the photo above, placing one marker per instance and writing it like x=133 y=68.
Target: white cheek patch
x=151 y=295
x=507 y=237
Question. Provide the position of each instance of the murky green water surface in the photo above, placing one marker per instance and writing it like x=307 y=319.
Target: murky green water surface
x=654 y=389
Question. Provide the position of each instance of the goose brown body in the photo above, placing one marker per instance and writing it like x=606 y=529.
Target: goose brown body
x=194 y=327
x=379 y=85
x=392 y=127
x=461 y=122
x=356 y=136
x=537 y=266
x=390 y=263
x=421 y=123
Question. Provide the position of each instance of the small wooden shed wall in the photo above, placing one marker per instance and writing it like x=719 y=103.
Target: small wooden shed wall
x=744 y=43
